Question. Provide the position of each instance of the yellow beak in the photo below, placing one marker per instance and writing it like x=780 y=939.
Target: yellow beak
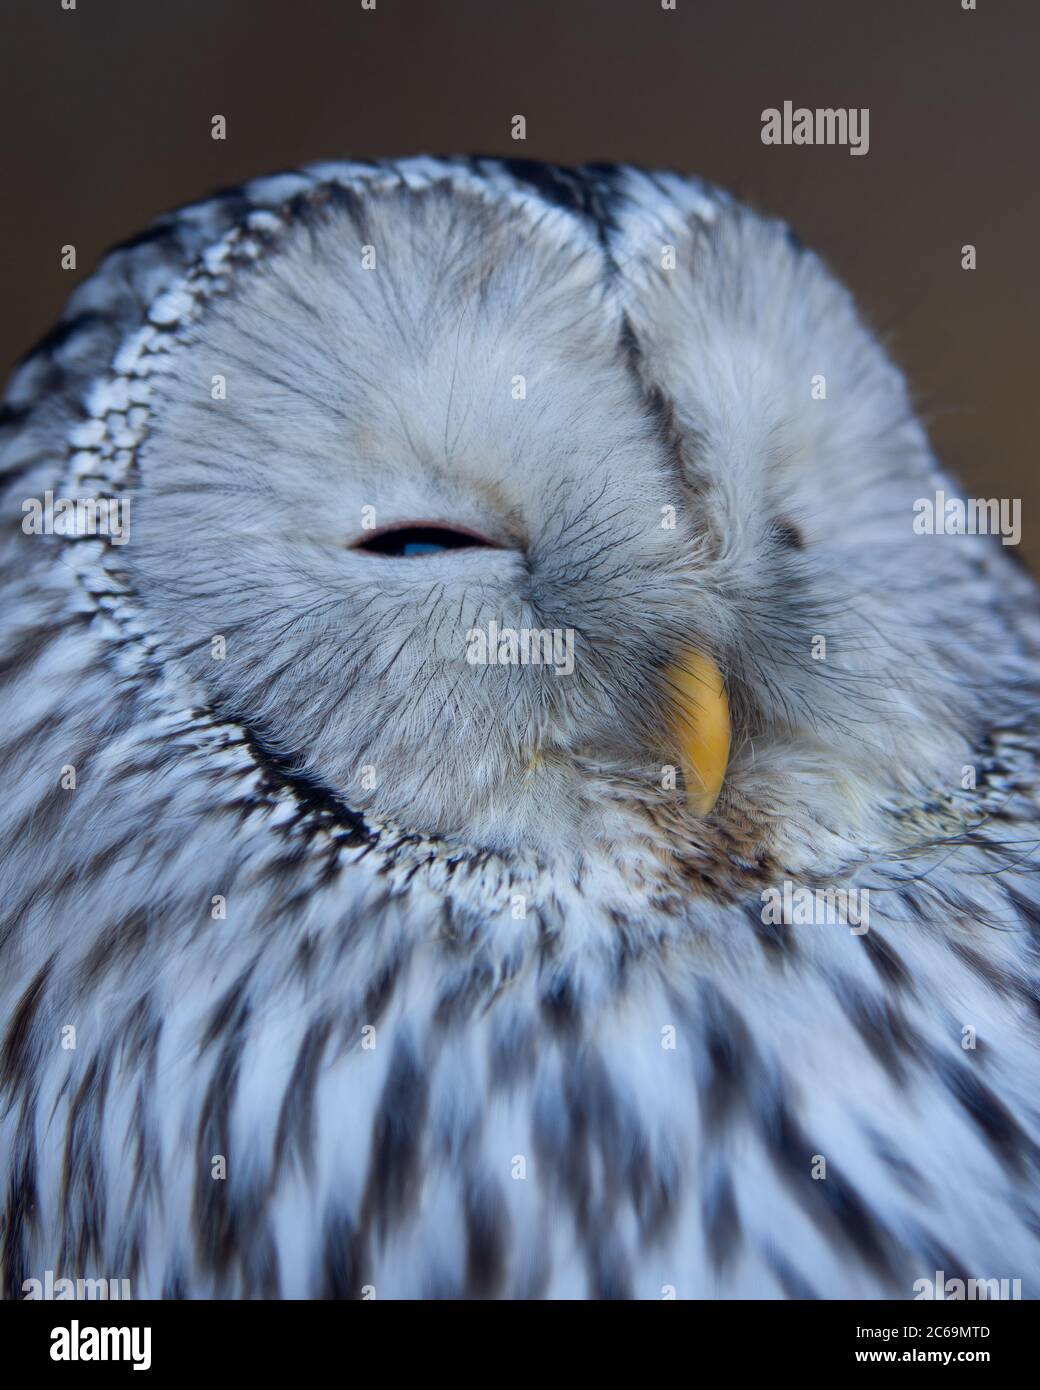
x=700 y=726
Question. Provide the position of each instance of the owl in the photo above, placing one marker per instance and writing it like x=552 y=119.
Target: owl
x=503 y=799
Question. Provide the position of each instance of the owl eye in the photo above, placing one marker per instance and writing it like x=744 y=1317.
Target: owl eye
x=421 y=540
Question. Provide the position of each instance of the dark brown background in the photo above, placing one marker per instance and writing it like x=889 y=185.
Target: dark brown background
x=106 y=119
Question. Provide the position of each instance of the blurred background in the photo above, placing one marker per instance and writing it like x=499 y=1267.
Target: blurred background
x=106 y=114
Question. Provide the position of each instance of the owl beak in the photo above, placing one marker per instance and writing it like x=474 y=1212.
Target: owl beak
x=700 y=726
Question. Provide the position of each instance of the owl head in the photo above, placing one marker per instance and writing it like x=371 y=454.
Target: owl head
x=534 y=510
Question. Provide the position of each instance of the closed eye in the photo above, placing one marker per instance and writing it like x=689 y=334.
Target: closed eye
x=421 y=540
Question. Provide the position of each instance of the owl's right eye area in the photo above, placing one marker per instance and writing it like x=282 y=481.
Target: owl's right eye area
x=421 y=540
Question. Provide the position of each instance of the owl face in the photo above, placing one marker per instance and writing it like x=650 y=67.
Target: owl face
x=436 y=493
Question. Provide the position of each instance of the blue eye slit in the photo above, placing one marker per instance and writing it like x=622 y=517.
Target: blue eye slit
x=421 y=540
